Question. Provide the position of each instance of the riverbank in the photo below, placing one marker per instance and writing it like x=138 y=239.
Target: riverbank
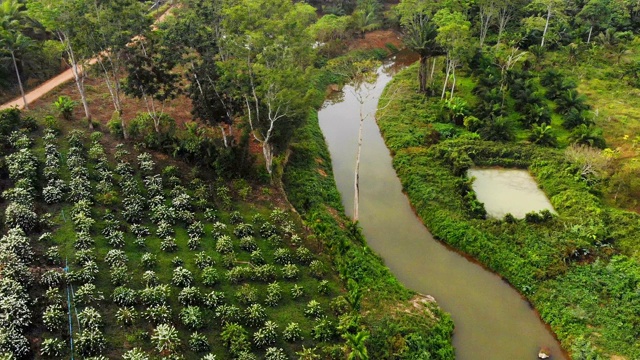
x=575 y=268
x=402 y=323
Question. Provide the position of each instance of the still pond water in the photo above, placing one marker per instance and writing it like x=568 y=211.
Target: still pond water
x=508 y=191
x=492 y=320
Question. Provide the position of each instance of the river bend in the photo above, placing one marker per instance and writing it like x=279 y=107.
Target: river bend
x=492 y=320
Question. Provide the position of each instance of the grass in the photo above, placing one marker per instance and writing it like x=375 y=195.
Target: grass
x=120 y=339
x=616 y=106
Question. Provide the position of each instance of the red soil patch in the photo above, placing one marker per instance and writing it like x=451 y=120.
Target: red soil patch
x=376 y=40
x=101 y=105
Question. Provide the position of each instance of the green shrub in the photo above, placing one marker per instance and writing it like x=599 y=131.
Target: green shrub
x=115 y=125
x=510 y=219
x=198 y=342
x=586 y=135
x=9 y=120
x=543 y=135
x=51 y=122
x=498 y=129
x=574 y=118
x=64 y=106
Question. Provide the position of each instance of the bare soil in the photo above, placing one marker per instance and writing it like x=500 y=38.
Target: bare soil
x=377 y=39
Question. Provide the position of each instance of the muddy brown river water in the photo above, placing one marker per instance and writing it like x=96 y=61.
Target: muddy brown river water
x=492 y=320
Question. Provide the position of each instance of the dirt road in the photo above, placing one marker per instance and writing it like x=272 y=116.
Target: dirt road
x=56 y=81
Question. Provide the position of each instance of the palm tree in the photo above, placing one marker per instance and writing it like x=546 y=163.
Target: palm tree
x=543 y=135
x=420 y=36
x=356 y=345
x=588 y=135
x=571 y=99
x=166 y=339
x=365 y=17
x=498 y=129
x=354 y=296
x=12 y=15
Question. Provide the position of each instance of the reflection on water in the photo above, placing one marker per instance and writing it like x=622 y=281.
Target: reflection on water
x=492 y=320
x=508 y=191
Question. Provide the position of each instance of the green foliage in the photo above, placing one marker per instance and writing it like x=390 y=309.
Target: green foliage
x=235 y=339
x=588 y=135
x=64 y=106
x=115 y=125
x=566 y=264
x=498 y=129
x=543 y=135
x=574 y=118
x=456 y=110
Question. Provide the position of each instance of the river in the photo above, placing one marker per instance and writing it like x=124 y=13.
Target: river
x=492 y=321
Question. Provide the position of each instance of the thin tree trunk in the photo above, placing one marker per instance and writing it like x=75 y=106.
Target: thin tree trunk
x=117 y=101
x=433 y=70
x=151 y=110
x=453 y=86
x=79 y=77
x=503 y=19
x=15 y=66
x=224 y=136
x=232 y=141
x=267 y=151
x=83 y=98
x=115 y=96
x=356 y=183
x=125 y=135
x=446 y=80
x=590 y=32
x=423 y=73
x=546 y=26
x=121 y=110
x=485 y=20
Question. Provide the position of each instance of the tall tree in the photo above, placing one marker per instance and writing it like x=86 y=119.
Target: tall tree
x=194 y=35
x=487 y=11
x=366 y=16
x=362 y=77
x=268 y=56
x=60 y=18
x=601 y=14
x=108 y=29
x=13 y=20
x=506 y=10
x=420 y=33
x=507 y=59
x=15 y=44
x=632 y=11
x=550 y=8
x=454 y=35
x=150 y=74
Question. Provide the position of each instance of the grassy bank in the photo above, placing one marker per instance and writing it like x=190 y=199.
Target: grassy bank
x=579 y=268
x=397 y=327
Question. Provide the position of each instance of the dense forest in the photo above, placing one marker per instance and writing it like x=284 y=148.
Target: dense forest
x=176 y=199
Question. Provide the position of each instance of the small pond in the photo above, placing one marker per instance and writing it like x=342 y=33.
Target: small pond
x=508 y=191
